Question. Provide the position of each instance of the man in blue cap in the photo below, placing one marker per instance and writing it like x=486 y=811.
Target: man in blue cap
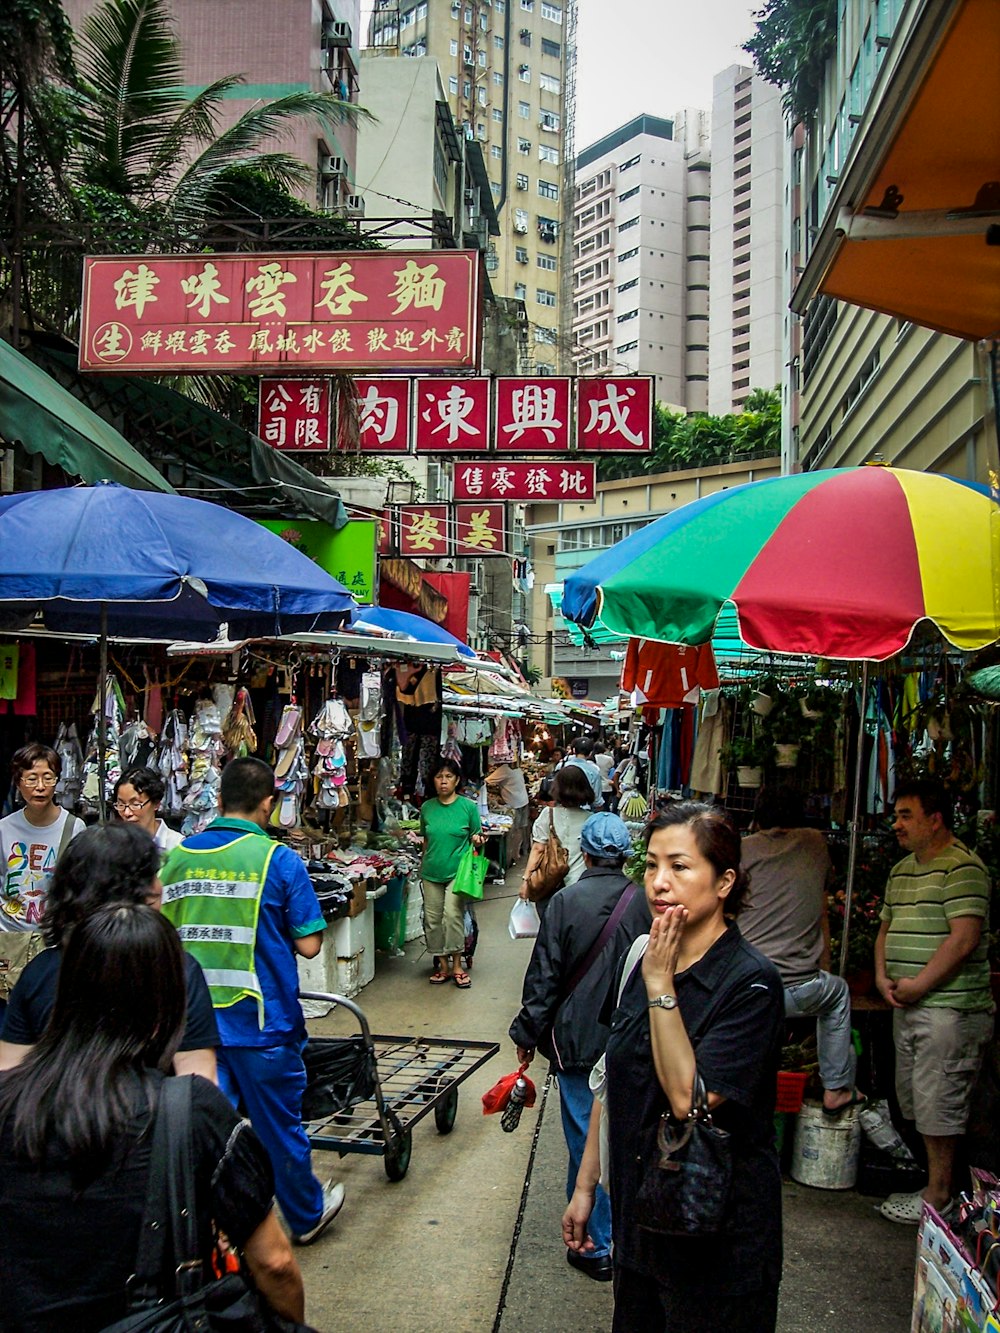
x=585 y=931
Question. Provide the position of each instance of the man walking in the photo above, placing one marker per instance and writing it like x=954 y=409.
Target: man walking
x=931 y=967
x=585 y=930
x=786 y=919
x=244 y=907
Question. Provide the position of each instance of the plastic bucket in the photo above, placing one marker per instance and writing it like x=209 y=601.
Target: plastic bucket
x=825 y=1151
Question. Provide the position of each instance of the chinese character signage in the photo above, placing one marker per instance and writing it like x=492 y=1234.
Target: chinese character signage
x=480 y=529
x=381 y=410
x=615 y=415
x=346 y=311
x=347 y=553
x=533 y=416
x=534 y=482
x=423 y=530
x=294 y=415
x=453 y=416
x=385 y=543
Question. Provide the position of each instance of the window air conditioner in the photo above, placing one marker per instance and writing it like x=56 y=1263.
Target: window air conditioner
x=336 y=33
x=355 y=205
x=331 y=166
x=521 y=228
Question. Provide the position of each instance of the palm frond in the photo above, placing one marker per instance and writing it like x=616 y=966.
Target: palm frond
x=195 y=125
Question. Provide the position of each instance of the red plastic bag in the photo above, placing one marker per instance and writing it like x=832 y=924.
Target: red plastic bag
x=499 y=1095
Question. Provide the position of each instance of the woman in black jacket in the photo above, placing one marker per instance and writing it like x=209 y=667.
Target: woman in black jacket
x=565 y=987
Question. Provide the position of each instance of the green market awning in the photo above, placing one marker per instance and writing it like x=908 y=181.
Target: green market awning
x=44 y=418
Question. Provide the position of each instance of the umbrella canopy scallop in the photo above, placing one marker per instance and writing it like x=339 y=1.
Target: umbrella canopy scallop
x=841 y=563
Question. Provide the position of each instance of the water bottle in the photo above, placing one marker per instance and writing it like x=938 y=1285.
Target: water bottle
x=512 y=1112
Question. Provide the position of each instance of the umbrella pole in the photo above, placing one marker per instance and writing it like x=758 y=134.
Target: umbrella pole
x=102 y=720
x=855 y=835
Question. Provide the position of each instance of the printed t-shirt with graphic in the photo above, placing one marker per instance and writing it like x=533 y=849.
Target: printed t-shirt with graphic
x=447 y=830
x=27 y=859
x=921 y=901
x=289 y=910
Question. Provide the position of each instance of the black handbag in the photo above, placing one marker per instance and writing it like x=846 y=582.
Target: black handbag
x=686 y=1187
x=168 y=1241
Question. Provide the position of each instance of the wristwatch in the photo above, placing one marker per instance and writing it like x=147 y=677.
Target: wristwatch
x=663 y=1002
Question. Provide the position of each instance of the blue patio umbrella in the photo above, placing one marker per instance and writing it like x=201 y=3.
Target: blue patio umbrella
x=106 y=560
x=407 y=625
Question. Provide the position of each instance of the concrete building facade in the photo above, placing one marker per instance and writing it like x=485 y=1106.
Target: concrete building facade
x=863 y=385
x=640 y=255
x=508 y=69
x=745 y=310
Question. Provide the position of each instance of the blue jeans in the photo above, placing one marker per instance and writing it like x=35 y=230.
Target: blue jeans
x=267 y=1083
x=575 y=1101
x=828 y=998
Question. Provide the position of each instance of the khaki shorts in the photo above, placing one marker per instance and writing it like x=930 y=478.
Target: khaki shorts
x=938 y=1054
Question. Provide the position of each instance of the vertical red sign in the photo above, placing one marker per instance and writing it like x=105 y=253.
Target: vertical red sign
x=294 y=415
x=423 y=530
x=384 y=544
x=615 y=415
x=452 y=416
x=480 y=529
x=383 y=415
x=533 y=416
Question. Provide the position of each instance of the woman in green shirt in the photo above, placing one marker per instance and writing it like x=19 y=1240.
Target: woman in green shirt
x=448 y=823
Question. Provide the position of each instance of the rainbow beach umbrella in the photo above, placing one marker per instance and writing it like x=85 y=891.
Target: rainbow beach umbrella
x=842 y=563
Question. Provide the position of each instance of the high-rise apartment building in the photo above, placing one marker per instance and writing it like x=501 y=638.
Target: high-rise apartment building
x=641 y=259
x=508 y=70
x=745 y=309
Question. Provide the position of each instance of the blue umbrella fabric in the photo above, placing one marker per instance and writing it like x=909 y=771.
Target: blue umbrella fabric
x=163 y=567
x=415 y=627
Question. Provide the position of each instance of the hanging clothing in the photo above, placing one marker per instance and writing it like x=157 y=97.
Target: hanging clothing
x=667 y=674
x=706 y=772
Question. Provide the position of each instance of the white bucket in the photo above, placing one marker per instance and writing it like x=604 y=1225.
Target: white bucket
x=825 y=1151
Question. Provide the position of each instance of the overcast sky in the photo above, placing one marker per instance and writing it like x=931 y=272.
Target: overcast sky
x=656 y=56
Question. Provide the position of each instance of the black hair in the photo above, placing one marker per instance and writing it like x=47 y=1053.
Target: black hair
x=447 y=765
x=245 y=783
x=23 y=760
x=584 y=746
x=608 y=862
x=146 y=781
x=119 y=1013
x=107 y=863
x=717 y=839
x=933 y=797
x=779 y=807
x=571 y=787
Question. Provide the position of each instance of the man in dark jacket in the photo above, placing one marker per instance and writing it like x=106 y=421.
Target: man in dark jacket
x=582 y=936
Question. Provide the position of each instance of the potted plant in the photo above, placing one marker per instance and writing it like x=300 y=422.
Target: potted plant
x=762 y=696
x=747 y=755
x=786 y=729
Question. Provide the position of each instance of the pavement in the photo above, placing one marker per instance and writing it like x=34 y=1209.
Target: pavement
x=469 y=1240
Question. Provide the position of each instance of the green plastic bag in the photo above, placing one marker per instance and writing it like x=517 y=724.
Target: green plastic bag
x=471 y=873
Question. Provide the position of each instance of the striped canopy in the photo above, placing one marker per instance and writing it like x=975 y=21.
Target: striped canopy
x=843 y=563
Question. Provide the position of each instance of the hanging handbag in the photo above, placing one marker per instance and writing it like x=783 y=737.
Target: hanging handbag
x=171 y=1218
x=552 y=869
x=686 y=1187
x=471 y=873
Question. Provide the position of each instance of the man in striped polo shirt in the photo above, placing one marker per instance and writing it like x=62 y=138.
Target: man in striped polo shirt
x=931 y=967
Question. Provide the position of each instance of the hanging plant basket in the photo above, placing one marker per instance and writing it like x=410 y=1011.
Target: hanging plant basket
x=810 y=714
x=786 y=756
x=762 y=704
x=749 y=777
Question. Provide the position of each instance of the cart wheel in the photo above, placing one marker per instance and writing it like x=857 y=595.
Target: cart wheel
x=397 y=1150
x=446 y=1110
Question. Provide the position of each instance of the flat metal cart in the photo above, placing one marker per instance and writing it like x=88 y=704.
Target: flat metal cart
x=365 y=1092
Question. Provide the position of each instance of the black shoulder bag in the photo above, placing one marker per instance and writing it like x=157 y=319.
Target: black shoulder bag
x=170 y=1232
x=685 y=1190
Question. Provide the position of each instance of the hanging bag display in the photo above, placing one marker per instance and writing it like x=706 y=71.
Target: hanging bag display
x=686 y=1187
x=550 y=872
x=471 y=873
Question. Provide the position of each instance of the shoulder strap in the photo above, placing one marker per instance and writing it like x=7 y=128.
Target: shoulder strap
x=66 y=837
x=597 y=948
x=632 y=961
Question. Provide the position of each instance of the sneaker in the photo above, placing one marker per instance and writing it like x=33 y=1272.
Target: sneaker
x=333 y=1201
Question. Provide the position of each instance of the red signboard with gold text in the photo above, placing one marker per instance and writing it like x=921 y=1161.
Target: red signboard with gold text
x=423 y=530
x=343 y=311
x=480 y=529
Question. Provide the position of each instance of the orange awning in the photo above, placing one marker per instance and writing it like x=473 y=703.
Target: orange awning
x=910 y=226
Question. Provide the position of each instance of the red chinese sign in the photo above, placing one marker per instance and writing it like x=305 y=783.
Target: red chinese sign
x=384 y=544
x=536 y=482
x=344 y=311
x=294 y=415
x=615 y=416
x=453 y=416
x=423 y=530
x=480 y=529
x=533 y=416
x=383 y=416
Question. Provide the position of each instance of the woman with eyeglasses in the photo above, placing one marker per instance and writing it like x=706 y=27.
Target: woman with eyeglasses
x=32 y=838
x=138 y=793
